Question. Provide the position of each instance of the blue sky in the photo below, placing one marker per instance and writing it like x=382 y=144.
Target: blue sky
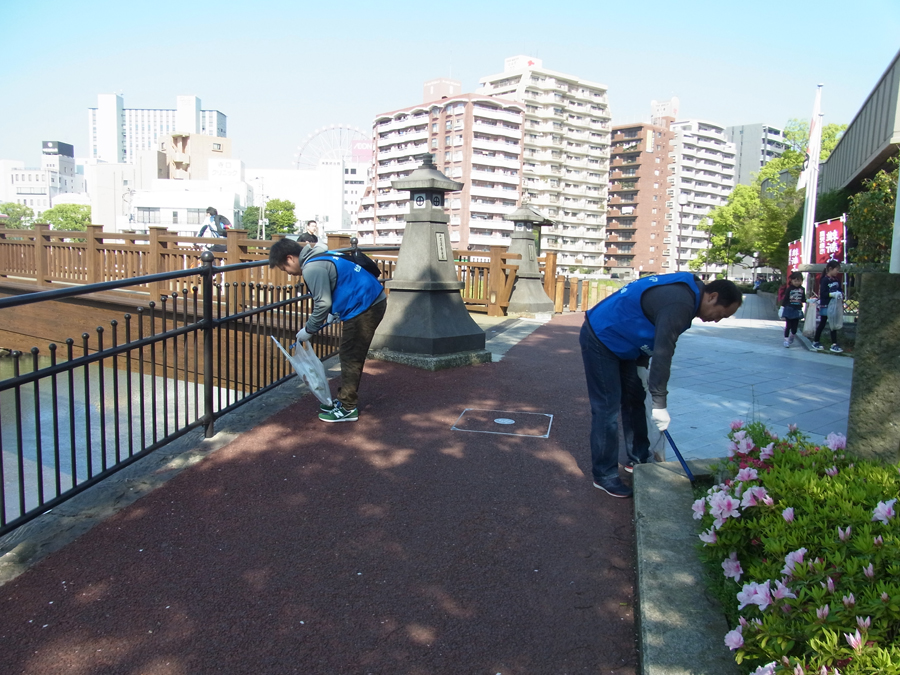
x=281 y=70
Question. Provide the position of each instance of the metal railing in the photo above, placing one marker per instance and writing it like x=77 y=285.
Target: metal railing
x=68 y=421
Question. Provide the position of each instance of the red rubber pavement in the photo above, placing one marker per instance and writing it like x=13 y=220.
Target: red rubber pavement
x=391 y=545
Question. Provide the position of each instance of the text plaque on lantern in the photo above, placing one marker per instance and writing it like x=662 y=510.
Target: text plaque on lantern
x=441 y=241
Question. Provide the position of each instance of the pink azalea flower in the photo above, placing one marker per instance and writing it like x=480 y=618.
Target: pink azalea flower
x=855 y=641
x=734 y=639
x=788 y=514
x=791 y=559
x=869 y=571
x=773 y=435
x=885 y=597
x=844 y=535
x=864 y=624
x=884 y=511
x=699 y=508
x=833 y=471
x=737 y=424
x=755 y=594
x=723 y=506
x=732 y=567
x=849 y=601
x=782 y=592
x=768 y=669
x=792 y=428
x=836 y=441
x=708 y=537
x=822 y=613
x=829 y=584
x=756 y=495
x=878 y=541
x=767 y=452
x=739 y=435
x=746 y=474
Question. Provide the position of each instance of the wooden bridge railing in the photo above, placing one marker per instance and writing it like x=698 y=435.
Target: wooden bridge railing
x=54 y=258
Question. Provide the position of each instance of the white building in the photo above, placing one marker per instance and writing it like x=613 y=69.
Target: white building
x=703 y=177
x=117 y=133
x=41 y=188
x=565 y=169
x=475 y=139
x=755 y=146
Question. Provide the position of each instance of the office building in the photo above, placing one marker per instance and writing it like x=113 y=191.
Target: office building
x=475 y=139
x=639 y=218
x=754 y=146
x=565 y=166
x=41 y=188
x=117 y=133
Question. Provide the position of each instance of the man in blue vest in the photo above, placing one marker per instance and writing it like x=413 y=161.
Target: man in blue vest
x=341 y=291
x=622 y=332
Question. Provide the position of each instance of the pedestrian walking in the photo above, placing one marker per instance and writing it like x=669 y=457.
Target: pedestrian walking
x=643 y=319
x=216 y=225
x=341 y=291
x=792 y=305
x=831 y=298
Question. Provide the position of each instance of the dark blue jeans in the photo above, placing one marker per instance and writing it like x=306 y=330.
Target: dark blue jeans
x=613 y=385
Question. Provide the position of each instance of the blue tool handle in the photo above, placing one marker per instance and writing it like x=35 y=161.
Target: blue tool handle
x=678 y=455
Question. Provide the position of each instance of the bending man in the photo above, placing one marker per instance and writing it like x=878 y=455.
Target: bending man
x=623 y=331
x=349 y=294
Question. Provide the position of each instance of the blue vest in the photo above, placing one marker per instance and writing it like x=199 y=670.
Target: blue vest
x=355 y=289
x=619 y=322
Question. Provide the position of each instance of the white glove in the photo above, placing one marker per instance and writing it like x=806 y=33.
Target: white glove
x=302 y=335
x=838 y=295
x=661 y=419
x=330 y=319
x=781 y=312
x=644 y=377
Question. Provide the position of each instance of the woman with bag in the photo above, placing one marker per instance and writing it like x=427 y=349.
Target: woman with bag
x=831 y=299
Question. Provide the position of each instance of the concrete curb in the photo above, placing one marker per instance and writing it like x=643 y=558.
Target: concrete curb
x=680 y=626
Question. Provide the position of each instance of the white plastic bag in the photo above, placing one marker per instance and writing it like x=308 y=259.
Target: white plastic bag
x=309 y=368
x=836 y=313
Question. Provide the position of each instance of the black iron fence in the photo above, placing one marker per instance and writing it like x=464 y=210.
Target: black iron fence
x=72 y=416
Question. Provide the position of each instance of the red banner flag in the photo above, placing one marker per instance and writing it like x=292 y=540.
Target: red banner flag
x=830 y=241
x=795 y=255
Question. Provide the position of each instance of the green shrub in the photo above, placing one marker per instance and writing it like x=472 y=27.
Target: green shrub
x=809 y=544
x=770 y=286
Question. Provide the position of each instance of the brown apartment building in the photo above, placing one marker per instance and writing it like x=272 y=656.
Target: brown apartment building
x=638 y=222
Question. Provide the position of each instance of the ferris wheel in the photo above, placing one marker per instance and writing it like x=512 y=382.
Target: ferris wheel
x=334 y=142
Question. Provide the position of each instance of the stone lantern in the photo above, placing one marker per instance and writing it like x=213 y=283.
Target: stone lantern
x=426 y=323
x=528 y=296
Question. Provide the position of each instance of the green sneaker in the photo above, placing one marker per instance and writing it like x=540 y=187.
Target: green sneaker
x=328 y=408
x=339 y=414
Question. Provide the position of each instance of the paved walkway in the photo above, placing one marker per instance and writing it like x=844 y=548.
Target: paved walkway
x=427 y=538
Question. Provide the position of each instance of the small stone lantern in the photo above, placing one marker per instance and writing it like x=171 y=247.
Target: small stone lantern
x=528 y=297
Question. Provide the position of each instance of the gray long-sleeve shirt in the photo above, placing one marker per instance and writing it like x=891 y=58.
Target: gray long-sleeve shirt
x=670 y=309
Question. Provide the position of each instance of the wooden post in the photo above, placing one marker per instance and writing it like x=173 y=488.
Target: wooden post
x=573 y=294
x=550 y=274
x=154 y=258
x=495 y=281
x=41 y=240
x=336 y=241
x=93 y=260
x=560 y=294
x=234 y=252
x=586 y=294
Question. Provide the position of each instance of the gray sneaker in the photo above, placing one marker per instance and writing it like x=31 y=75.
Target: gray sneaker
x=614 y=487
x=817 y=346
x=836 y=349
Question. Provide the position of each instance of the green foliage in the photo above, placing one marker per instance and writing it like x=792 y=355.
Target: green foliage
x=20 y=217
x=870 y=219
x=68 y=217
x=802 y=543
x=280 y=216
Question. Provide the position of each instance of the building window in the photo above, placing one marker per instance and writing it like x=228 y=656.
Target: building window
x=217 y=146
x=174 y=217
x=147 y=215
x=195 y=216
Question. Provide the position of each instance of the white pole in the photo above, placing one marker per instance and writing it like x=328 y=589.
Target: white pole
x=895 y=243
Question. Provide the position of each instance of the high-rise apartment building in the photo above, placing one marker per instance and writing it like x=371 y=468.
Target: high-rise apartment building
x=638 y=221
x=117 y=133
x=475 y=139
x=565 y=168
x=755 y=145
x=703 y=177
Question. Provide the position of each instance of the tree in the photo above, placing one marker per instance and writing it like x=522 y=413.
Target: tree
x=871 y=219
x=280 y=216
x=68 y=217
x=19 y=216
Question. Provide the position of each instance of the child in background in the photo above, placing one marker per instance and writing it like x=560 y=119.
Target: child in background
x=829 y=288
x=792 y=307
